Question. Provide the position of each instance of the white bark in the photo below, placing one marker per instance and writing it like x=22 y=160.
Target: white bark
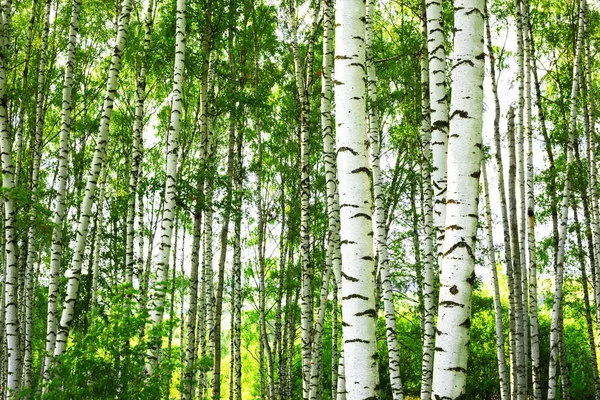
x=359 y=314
x=11 y=322
x=158 y=291
x=379 y=220
x=464 y=154
x=438 y=94
x=74 y=273
x=520 y=232
x=60 y=203
x=531 y=242
x=557 y=305
x=429 y=249
x=137 y=146
x=36 y=151
x=303 y=88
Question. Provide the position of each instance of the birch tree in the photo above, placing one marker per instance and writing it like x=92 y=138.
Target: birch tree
x=74 y=272
x=558 y=291
x=36 y=150
x=464 y=156
x=11 y=273
x=429 y=248
x=60 y=203
x=358 y=271
x=158 y=293
x=379 y=220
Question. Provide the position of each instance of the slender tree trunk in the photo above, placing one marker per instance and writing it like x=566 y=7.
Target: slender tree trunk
x=137 y=145
x=438 y=94
x=60 y=203
x=158 y=292
x=464 y=157
x=501 y=358
x=359 y=315
x=518 y=229
x=379 y=221
x=98 y=160
x=429 y=249
x=306 y=303
x=531 y=242
x=11 y=322
x=555 y=331
x=518 y=387
x=36 y=152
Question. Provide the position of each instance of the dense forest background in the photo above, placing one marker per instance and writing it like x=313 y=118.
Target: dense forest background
x=171 y=214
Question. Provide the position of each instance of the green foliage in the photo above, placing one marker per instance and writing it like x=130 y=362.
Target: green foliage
x=107 y=361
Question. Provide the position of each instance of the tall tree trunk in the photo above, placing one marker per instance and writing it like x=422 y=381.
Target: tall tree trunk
x=36 y=151
x=158 y=292
x=379 y=221
x=429 y=249
x=359 y=315
x=60 y=203
x=303 y=88
x=518 y=229
x=531 y=242
x=137 y=145
x=438 y=94
x=11 y=322
x=518 y=386
x=98 y=160
x=501 y=358
x=464 y=156
x=555 y=331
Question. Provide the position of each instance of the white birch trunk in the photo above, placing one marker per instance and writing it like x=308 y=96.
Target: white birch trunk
x=464 y=156
x=557 y=305
x=379 y=221
x=359 y=314
x=438 y=94
x=31 y=253
x=158 y=291
x=60 y=203
x=137 y=147
x=531 y=242
x=306 y=303
x=517 y=351
x=520 y=231
x=11 y=271
x=74 y=273
x=429 y=249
